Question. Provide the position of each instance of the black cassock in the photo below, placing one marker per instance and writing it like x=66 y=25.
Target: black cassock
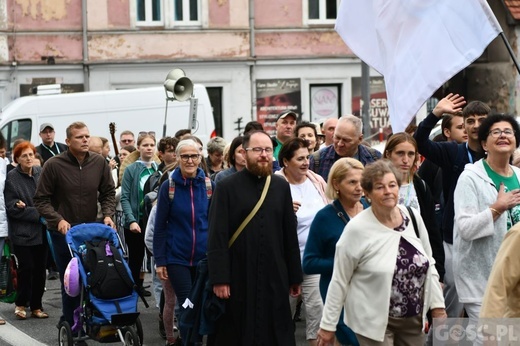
x=262 y=263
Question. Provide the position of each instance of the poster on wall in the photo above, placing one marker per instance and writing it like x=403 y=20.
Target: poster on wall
x=324 y=102
x=274 y=96
x=378 y=109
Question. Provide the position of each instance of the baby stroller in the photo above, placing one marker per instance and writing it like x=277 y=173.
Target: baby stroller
x=108 y=295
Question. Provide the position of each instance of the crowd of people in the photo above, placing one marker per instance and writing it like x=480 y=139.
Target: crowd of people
x=372 y=245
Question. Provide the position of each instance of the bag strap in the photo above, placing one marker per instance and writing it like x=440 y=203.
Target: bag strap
x=252 y=213
x=316 y=157
x=339 y=213
x=412 y=216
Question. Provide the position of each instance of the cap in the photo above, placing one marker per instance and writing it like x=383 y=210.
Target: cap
x=285 y=114
x=318 y=129
x=45 y=125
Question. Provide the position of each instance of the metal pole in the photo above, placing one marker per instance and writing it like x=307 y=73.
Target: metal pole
x=510 y=50
x=365 y=96
x=84 y=24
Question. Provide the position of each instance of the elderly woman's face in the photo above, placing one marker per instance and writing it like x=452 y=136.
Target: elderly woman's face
x=189 y=158
x=298 y=165
x=349 y=188
x=26 y=159
x=385 y=192
x=500 y=140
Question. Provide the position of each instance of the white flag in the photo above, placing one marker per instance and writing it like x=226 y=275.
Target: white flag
x=417 y=45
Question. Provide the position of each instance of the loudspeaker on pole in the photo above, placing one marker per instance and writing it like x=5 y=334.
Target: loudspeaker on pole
x=178 y=85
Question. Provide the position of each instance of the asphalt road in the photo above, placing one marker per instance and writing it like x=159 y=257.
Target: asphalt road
x=35 y=332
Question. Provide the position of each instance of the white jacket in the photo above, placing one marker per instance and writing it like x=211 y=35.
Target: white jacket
x=366 y=255
x=476 y=238
x=3 y=215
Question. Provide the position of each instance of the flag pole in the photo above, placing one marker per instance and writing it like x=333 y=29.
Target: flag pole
x=510 y=50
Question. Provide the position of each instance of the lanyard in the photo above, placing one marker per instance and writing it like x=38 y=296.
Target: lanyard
x=469 y=154
x=50 y=150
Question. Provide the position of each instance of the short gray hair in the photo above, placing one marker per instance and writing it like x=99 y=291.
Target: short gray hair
x=216 y=144
x=356 y=121
x=186 y=143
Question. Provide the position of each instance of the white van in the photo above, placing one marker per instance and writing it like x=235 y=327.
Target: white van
x=133 y=109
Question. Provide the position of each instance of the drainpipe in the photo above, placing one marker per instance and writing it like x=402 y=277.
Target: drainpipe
x=86 y=80
x=252 y=57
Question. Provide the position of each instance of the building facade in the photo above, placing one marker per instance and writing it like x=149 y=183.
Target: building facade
x=255 y=57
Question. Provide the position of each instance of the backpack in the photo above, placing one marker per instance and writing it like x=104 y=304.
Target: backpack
x=151 y=186
x=171 y=189
x=8 y=275
x=107 y=275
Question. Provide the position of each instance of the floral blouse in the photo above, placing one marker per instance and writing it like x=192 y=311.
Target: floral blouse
x=406 y=298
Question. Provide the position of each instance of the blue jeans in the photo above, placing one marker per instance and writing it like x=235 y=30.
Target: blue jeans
x=63 y=256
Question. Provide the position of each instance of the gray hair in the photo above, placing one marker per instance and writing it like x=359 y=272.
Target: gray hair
x=186 y=143
x=356 y=121
x=216 y=144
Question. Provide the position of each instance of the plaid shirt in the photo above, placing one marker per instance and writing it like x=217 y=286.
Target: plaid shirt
x=328 y=156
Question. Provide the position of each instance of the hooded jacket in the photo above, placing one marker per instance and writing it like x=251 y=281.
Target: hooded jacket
x=181 y=225
x=476 y=237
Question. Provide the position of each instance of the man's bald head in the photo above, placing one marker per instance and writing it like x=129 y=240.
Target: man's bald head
x=96 y=145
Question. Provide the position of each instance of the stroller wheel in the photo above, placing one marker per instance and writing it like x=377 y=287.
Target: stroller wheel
x=130 y=336
x=139 y=329
x=65 y=334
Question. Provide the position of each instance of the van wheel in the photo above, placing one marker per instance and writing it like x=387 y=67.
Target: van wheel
x=65 y=334
x=131 y=338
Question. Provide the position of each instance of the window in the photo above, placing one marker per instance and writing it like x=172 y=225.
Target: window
x=16 y=129
x=149 y=12
x=322 y=11
x=167 y=13
x=186 y=12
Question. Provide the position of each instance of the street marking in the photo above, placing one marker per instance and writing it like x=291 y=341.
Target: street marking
x=14 y=336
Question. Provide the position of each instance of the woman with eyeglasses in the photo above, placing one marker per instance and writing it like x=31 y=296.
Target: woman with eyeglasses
x=181 y=223
x=132 y=201
x=486 y=201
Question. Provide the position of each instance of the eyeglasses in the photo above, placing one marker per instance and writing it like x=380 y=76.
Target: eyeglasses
x=496 y=133
x=126 y=140
x=144 y=133
x=187 y=157
x=259 y=150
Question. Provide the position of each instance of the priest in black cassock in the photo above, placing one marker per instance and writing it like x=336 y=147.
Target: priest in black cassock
x=263 y=266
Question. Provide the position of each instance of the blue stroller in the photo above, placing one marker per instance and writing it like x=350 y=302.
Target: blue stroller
x=107 y=317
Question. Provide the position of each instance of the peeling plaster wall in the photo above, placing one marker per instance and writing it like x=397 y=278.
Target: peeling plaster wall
x=4 y=49
x=193 y=45
x=3 y=15
x=37 y=15
x=281 y=13
x=66 y=48
x=300 y=44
